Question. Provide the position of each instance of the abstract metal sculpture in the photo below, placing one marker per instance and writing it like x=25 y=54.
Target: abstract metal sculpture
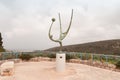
x=62 y=34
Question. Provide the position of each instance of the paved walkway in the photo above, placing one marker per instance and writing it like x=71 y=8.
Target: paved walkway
x=46 y=71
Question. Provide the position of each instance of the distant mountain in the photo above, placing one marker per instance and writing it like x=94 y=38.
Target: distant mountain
x=98 y=47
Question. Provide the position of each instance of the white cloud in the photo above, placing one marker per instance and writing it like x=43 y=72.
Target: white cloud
x=25 y=23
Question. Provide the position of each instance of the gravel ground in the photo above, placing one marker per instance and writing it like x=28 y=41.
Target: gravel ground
x=46 y=71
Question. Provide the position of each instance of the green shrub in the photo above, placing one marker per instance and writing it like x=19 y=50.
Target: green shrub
x=118 y=64
x=96 y=58
x=51 y=55
x=25 y=57
x=70 y=56
x=85 y=56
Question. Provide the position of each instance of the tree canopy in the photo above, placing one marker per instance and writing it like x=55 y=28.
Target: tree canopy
x=1 y=47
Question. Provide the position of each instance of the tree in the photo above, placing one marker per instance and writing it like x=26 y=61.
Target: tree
x=1 y=47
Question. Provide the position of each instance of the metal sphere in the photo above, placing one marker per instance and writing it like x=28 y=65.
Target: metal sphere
x=53 y=19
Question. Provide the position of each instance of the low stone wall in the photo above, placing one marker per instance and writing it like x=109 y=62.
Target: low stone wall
x=99 y=64
x=15 y=60
x=37 y=59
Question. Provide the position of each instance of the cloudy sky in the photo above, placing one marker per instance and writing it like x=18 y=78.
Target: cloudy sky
x=24 y=24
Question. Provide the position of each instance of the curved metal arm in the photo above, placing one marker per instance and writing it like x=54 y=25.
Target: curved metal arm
x=51 y=36
x=62 y=35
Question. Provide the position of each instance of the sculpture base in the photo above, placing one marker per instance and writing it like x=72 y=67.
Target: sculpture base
x=60 y=62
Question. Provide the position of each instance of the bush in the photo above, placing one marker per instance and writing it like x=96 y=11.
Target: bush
x=51 y=55
x=118 y=65
x=85 y=56
x=70 y=56
x=25 y=57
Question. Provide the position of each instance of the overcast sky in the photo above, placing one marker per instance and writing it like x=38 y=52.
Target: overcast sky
x=24 y=24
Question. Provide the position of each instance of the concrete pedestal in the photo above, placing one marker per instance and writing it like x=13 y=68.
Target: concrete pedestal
x=60 y=62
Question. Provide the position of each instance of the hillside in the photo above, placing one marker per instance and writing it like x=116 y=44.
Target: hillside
x=99 y=47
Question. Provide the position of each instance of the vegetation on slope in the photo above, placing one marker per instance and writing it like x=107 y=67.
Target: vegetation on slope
x=99 y=47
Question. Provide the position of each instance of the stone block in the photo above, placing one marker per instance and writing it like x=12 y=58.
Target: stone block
x=7 y=68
